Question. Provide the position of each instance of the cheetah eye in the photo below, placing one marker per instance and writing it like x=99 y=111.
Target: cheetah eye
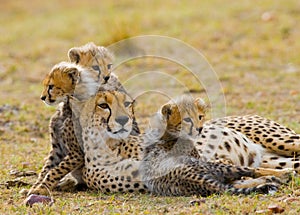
x=103 y=105
x=109 y=66
x=50 y=86
x=126 y=104
x=96 y=67
x=200 y=117
x=187 y=119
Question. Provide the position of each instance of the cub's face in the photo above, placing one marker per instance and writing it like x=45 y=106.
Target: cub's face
x=184 y=116
x=59 y=83
x=97 y=58
x=114 y=110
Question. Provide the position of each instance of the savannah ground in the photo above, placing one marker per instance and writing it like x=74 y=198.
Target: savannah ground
x=253 y=47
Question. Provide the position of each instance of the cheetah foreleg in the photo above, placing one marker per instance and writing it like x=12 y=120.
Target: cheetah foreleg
x=52 y=178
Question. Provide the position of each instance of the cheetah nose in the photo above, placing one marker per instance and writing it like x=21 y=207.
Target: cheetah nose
x=199 y=129
x=106 y=78
x=122 y=120
x=43 y=98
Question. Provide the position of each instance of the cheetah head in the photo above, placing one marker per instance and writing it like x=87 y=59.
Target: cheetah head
x=60 y=83
x=95 y=57
x=112 y=111
x=68 y=79
x=184 y=115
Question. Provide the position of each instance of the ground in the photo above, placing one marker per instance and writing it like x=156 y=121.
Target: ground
x=252 y=45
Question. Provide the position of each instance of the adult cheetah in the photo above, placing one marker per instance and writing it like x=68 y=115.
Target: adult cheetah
x=111 y=153
x=268 y=133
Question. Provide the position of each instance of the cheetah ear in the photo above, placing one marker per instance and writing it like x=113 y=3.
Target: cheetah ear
x=73 y=74
x=106 y=53
x=200 y=103
x=166 y=110
x=74 y=55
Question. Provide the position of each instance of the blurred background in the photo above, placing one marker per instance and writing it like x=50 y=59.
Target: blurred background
x=252 y=45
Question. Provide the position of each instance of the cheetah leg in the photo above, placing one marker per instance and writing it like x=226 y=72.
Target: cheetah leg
x=237 y=172
x=277 y=162
x=246 y=187
x=52 y=161
x=69 y=163
x=77 y=174
x=263 y=184
x=246 y=183
x=234 y=172
x=58 y=151
x=72 y=181
x=182 y=181
x=284 y=174
x=289 y=146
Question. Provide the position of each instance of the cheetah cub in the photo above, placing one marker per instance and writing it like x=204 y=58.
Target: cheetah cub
x=172 y=165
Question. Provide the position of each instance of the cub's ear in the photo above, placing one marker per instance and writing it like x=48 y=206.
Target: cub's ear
x=202 y=106
x=106 y=53
x=73 y=74
x=166 y=110
x=74 y=55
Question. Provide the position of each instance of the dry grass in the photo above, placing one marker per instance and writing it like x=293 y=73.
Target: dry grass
x=257 y=61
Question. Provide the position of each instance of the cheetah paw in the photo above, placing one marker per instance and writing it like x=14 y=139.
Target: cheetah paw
x=286 y=174
x=66 y=184
x=39 y=190
x=268 y=188
x=247 y=182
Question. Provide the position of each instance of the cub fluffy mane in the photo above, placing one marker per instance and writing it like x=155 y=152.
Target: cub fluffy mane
x=87 y=83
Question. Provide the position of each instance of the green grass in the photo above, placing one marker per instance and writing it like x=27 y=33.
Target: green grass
x=257 y=62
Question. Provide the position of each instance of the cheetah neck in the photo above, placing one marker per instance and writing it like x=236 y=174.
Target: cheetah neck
x=167 y=136
x=87 y=85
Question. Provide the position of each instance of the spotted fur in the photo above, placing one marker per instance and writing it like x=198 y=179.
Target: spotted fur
x=99 y=59
x=269 y=143
x=172 y=166
x=217 y=142
x=268 y=133
x=111 y=152
x=69 y=163
x=79 y=80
